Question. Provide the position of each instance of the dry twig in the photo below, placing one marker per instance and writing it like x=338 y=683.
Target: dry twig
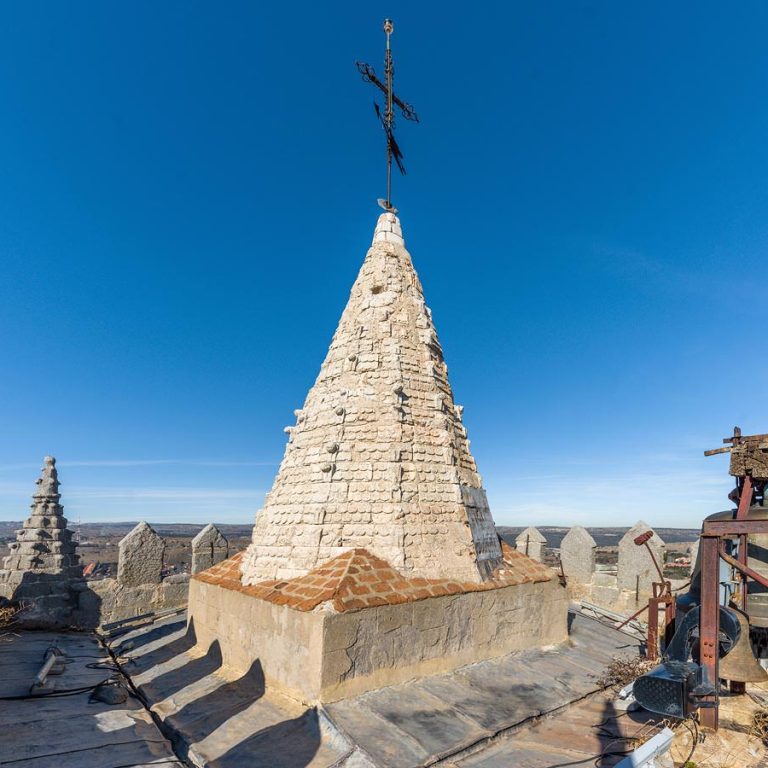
x=622 y=671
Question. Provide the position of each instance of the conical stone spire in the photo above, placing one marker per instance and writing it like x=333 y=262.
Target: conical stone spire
x=44 y=545
x=379 y=458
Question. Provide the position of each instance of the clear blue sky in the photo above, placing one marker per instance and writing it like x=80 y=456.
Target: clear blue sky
x=188 y=190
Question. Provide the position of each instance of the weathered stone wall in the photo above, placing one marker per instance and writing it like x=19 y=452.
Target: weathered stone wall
x=287 y=643
x=324 y=656
x=80 y=604
x=58 y=601
x=382 y=646
x=105 y=601
x=624 y=588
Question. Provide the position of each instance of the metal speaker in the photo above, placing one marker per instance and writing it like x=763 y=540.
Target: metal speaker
x=740 y=664
x=666 y=689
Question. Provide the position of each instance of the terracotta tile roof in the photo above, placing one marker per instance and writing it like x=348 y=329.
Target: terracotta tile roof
x=357 y=579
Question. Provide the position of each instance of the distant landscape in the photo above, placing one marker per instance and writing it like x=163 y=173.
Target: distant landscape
x=604 y=537
x=98 y=541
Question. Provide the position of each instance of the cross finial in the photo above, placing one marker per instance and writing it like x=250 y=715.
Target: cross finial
x=387 y=118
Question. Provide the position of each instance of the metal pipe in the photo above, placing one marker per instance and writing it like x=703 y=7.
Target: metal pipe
x=51 y=657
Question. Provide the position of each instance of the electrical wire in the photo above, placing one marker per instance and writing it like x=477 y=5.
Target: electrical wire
x=106 y=665
x=56 y=694
x=613 y=753
x=168 y=761
x=694 y=735
x=593 y=758
x=612 y=717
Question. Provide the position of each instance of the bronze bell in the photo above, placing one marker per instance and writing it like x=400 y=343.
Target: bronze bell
x=740 y=664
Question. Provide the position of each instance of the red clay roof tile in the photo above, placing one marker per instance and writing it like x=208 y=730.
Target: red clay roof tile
x=357 y=579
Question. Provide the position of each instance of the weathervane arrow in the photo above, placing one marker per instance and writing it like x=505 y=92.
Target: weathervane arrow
x=387 y=118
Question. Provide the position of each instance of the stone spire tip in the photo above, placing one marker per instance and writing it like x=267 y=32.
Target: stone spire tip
x=388 y=230
x=48 y=482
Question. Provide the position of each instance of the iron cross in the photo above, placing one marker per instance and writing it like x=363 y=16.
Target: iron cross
x=388 y=117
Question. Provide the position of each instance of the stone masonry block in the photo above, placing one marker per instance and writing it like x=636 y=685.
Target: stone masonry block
x=531 y=542
x=208 y=548
x=636 y=570
x=140 y=559
x=577 y=555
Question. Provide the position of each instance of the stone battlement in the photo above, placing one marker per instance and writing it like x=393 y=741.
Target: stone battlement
x=43 y=574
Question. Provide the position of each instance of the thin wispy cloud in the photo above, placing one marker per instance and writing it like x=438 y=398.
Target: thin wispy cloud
x=677 y=496
x=110 y=463
x=673 y=272
x=165 y=494
x=162 y=462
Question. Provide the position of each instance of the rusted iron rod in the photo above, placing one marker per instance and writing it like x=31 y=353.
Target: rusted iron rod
x=632 y=617
x=745 y=502
x=716 y=528
x=709 y=625
x=745 y=569
x=745 y=499
x=642 y=540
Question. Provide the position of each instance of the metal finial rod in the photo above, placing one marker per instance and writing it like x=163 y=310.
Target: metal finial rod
x=389 y=71
x=387 y=119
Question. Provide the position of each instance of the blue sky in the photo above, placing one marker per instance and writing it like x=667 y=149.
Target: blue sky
x=188 y=191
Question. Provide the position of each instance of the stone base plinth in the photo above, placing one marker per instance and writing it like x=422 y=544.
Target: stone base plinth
x=323 y=654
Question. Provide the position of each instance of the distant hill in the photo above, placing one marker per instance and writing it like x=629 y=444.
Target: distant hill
x=604 y=537
x=7 y=528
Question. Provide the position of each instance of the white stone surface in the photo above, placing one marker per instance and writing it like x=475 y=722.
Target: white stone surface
x=399 y=480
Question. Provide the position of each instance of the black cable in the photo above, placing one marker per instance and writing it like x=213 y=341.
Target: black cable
x=695 y=736
x=169 y=761
x=103 y=665
x=54 y=693
x=612 y=717
x=106 y=745
x=592 y=758
x=605 y=753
